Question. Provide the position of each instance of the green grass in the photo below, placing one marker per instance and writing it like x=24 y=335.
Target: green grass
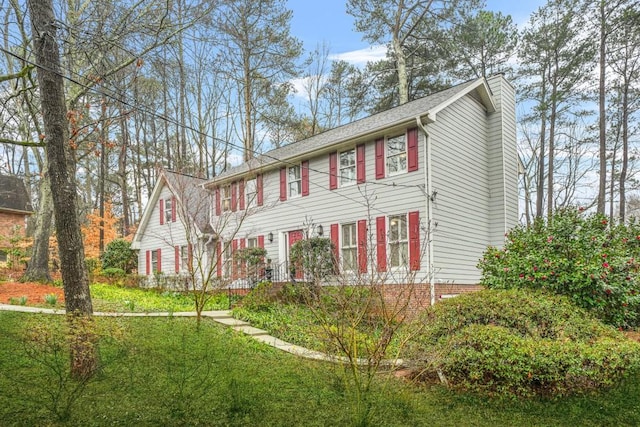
x=122 y=299
x=163 y=371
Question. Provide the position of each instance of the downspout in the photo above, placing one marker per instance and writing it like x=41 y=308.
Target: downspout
x=428 y=208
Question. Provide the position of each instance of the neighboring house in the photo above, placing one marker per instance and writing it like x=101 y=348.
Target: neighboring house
x=15 y=207
x=419 y=190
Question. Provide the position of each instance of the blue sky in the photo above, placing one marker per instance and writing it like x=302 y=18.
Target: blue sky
x=318 y=21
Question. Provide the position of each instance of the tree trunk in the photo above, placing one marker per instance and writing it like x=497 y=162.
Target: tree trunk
x=401 y=64
x=38 y=267
x=62 y=180
x=602 y=183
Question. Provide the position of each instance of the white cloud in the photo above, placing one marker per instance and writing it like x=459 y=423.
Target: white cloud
x=362 y=56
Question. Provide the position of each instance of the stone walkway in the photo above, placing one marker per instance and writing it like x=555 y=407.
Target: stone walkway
x=221 y=316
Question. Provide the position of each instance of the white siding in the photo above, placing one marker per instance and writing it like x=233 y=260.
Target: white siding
x=460 y=177
x=164 y=237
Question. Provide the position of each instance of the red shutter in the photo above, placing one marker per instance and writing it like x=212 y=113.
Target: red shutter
x=412 y=150
x=259 y=189
x=362 y=246
x=335 y=239
x=173 y=209
x=148 y=263
x=333 y=171
x=234 y=196
x=261 y=241
x=219 y=259
x=241 y=194
x=161 y=211
x=380 y=158
x=218 y=202
x=360 y=171
x=305 y=178
x=159 y=261
x=381 y=243
x=283 y=184
x=190 y=257
x=414 y=241
x=177 y=259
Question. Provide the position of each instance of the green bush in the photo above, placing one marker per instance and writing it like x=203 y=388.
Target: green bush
x=522 y=343
x=315 y=256
x=585 y=258
x=118 y=254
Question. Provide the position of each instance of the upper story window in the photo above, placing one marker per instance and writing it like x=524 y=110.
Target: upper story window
x=396 y=154
x=398 y=241
x=251 y=191
x=348 y=167
x=169 y=210
x=226 y=198
x=349 y=247
x=294 y=180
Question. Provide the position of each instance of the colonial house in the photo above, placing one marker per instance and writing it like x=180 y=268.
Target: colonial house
x=15 y=207
x=416 y=191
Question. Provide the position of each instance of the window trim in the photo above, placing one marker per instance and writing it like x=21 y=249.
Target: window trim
x=400 y=242
x=297 y=181
x=225 y=198
x=353 y=166
x=399 y=155
x=352 y=246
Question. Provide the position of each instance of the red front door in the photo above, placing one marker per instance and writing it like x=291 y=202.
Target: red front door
x=295 y=236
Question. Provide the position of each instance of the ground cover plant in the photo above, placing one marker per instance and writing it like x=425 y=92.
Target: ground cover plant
x=118 y=298
x=585 y=257
x=520 y=343
x=165 y=371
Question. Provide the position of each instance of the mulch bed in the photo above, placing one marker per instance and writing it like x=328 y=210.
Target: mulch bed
x=35 y=292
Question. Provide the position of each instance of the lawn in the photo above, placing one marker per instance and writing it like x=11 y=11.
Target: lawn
x=163 y=371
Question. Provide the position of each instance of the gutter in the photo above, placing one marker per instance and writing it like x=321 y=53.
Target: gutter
x=428 y=205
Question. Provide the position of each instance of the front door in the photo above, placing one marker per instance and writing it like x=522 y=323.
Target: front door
x=296 y=270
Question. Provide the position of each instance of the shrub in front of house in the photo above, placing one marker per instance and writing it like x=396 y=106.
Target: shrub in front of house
x=585 y=257
x=519 y=343
x=118 y=254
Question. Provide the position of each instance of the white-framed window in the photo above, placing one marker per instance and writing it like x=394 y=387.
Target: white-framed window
x=398 y=241
x=227 y=259
x=251 y=192
x=168 y=210
x=349 y=247
x=154 y=262
x=225 y=193
x=252 y=242
x=184 y=258
x=396 y=154
x=348 y=167
x=294 y=180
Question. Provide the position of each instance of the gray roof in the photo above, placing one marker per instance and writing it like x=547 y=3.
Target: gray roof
x=368 y=125
x=190 y=193
x=13 y=195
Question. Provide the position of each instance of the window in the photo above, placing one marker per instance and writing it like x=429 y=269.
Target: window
x=184 y=258
x=3 y=256
x=295 y=181
x=251 y=190
x=398 y=241
x=168 y=210
x=348 y=167
x=349 y=247
x=252 y=242
x=154 y=262
x=226 y=198
x=396 y=154
x=227 y=259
